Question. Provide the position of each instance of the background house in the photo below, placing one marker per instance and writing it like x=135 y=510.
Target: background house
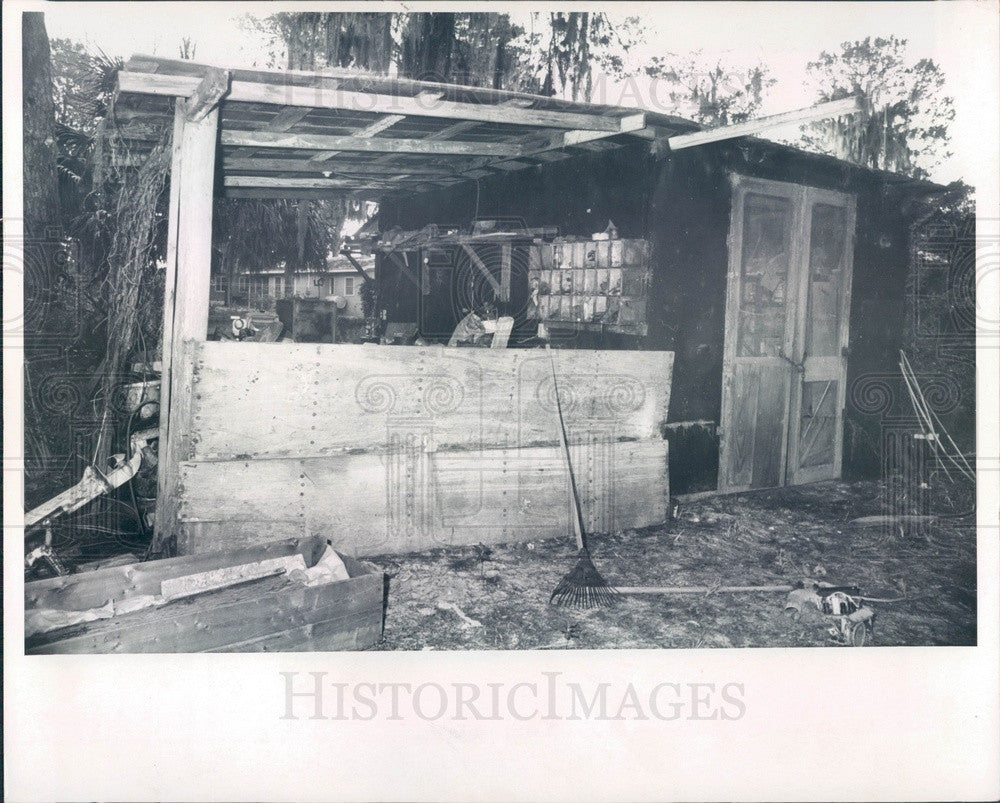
x=260 y=289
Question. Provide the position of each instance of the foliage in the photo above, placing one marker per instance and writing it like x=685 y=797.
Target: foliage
x=561 y=58
x=369 y=298
x=558 y=55
x=940 y=335
x=133 y=287
x=104 y=300
x=315 y=40
x=251 y=234
x=903 y=125
x=83 y=84
x=701 y=87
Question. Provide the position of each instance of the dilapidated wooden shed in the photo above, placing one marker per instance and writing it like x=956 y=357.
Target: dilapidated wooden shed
x=747 y=286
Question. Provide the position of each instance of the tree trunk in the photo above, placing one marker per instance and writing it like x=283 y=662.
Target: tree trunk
x=41 y=184
x=428 y=54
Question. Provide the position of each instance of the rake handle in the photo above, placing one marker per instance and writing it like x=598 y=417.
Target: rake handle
x=700 y=589
x=578 y=513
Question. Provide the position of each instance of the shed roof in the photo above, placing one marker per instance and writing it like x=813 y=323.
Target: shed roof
x=315 y=134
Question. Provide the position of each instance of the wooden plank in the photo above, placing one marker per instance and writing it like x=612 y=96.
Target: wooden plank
x=304 y=183
x=505 y=268
x=169 y=298
x=401 y=262
x=481 y=267
x=566 y=139
x=465 y=125
x=306 y=194
x=355 y=264
x=834 y=108
x=322 y=142
x=282 y=121
x=505 y=326
x=316 y=399
x=189 y=308
x=287 y=117
x=332 y=634
x=81 y=592
x=201 y=582
x=321 y=98
x=340 y=168
x=368 y=131
x=206 y=97
x=455 y=128
x=409 y=500
x=226 y=618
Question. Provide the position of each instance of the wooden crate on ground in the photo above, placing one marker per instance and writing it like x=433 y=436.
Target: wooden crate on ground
x=273 y=613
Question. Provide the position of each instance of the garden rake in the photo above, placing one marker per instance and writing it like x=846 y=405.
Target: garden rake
x=583 y=587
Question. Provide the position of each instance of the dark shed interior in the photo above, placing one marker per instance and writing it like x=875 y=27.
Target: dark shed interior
x=681 y=203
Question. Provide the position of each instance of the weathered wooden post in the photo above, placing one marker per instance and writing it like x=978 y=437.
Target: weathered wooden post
x=188 y=280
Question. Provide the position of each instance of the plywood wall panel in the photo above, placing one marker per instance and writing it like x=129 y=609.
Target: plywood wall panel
x=300 y=400
x=412 y=499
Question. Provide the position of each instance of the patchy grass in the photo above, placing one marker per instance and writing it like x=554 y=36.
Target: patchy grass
x=765 y=538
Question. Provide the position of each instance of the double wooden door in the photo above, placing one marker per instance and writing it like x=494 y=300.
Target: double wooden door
x=787 y=309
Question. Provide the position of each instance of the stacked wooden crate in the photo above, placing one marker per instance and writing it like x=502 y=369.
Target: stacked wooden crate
x=598 y=284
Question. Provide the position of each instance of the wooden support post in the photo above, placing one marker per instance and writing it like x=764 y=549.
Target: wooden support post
x=185 y=313
x=505 y=259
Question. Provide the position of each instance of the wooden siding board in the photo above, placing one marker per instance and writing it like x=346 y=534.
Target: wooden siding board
x=411 y=500
x=266 y=399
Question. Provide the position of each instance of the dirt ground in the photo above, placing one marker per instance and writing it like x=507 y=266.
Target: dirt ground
x=761 y=538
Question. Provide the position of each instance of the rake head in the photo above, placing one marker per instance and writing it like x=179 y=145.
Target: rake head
x=584 y=587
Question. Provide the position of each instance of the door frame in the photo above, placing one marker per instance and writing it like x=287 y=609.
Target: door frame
x=802 y=198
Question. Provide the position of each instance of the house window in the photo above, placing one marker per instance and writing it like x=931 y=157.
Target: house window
x=348 y=285
x=279 y=286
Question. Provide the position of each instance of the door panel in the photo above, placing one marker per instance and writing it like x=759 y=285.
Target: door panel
x=767 y=227
x=816 y=443
x=786 y=329
x=759 y=329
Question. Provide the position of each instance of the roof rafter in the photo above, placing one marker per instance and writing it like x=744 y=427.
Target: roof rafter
x=325 y=98
x=323 y=142
x=264 y=165
x=282 y=121
x=832 y=109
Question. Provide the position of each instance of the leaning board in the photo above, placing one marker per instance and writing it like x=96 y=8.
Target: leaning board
x=394 y=449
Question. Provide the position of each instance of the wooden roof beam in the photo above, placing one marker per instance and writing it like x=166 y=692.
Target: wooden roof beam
x=325 y=98
x=534 y=145
x=375 y=128
x=303 y=194
x=263 y=165
x=305 y=183
x=834 y=108
x=206 y=96
x=282 y=121
x=322 y=142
